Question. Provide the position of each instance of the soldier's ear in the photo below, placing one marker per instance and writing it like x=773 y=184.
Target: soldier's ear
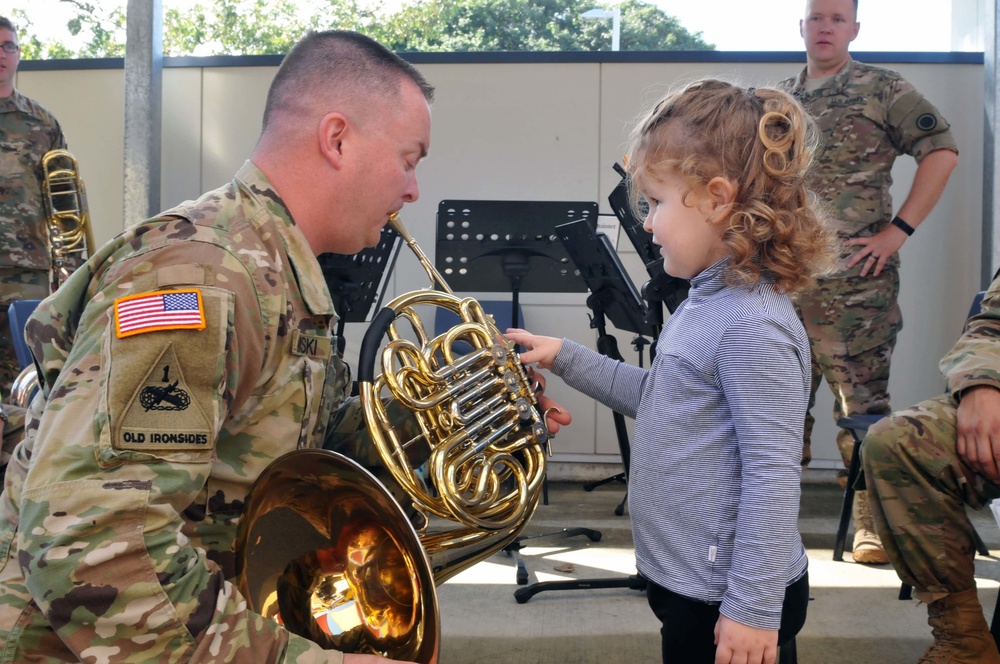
x=333 y=130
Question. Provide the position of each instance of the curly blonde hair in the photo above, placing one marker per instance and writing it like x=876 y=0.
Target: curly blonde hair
x=760 y=140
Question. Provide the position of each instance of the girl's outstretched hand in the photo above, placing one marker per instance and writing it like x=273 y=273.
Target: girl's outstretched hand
x=537 y=349
x=541 y=351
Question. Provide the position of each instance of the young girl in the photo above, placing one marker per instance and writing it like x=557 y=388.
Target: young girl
x=714 y=477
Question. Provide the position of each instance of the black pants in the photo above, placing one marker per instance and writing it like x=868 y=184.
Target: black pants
x=689 y=625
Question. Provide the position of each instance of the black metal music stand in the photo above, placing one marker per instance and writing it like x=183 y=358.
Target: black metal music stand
x=612 y=295
x=661 y=287
x=357 y=281
x=511 y=247
x=508 y=246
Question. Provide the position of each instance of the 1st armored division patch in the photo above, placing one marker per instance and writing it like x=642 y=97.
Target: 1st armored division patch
x=161 y=414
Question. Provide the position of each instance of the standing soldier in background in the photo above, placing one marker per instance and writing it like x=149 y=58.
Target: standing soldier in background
x=27 y=132
x=867 y=116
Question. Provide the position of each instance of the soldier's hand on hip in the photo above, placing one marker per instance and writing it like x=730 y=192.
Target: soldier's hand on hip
x=875 y=250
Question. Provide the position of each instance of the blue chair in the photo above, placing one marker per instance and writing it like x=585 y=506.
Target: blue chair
x=501 y=310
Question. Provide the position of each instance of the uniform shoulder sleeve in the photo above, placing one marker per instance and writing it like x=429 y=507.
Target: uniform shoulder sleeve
x=912 y=121
x=975 y=358
x=126 y=444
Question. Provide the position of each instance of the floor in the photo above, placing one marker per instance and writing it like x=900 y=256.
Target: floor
x=855 y=615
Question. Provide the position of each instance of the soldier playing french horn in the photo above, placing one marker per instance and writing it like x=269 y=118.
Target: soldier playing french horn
x=172 y=377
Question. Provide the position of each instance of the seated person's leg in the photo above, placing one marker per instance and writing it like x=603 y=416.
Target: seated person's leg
x=918 y=487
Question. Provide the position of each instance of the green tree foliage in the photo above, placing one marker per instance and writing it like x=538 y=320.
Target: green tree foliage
x=530 y=25
x=33 y=48
x=254 y=27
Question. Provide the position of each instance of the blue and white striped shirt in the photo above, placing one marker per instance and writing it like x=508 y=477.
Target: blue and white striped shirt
x=715 y=471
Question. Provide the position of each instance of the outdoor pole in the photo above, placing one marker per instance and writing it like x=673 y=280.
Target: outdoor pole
x=991 y=125
x=616 y=28
x=143 y=109
x=616 y=22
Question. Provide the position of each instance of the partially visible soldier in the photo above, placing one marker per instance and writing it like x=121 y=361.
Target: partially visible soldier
x=867 y=116
x=923 y=465
x=27 y=132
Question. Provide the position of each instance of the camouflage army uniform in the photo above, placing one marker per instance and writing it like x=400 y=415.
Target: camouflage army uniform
x=27 y=132
x=867 y=116
x=918 y=484
x=120 y=506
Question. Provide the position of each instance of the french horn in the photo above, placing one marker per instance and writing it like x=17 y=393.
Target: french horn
x=324 y=547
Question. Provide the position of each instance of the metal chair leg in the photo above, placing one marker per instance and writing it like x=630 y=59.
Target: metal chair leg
x=845 y=509
x=995 y=622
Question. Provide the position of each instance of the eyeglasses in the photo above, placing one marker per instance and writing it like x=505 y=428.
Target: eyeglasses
x=10 y=47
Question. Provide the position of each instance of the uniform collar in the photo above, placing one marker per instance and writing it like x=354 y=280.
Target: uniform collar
x=837 y=85
x=269 y=207
x=15 y=102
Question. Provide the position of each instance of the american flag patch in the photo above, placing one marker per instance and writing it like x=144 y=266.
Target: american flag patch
x=162 y=310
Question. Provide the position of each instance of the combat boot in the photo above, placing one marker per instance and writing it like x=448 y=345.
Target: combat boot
x=867 y=544
x=961 y=635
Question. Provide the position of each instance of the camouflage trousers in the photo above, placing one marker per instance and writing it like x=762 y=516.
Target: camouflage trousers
x=16 y=284
x=918 y=488
x=852 y=325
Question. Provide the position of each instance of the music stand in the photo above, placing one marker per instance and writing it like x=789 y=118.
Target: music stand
x=357 y=281
x=508 y=246
x=511 y=246
x=612 y=295
x=661 y=287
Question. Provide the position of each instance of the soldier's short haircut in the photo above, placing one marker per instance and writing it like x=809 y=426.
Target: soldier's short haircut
x=855 y=9
x=339 y=62
x=5 y=23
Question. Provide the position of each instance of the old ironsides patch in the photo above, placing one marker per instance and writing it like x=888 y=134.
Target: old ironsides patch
x=163 y=413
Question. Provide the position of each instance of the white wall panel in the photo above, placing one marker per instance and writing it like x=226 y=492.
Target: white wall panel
x=180 y=174
x=539 y=131
x=89 y=105
x=233 y=99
